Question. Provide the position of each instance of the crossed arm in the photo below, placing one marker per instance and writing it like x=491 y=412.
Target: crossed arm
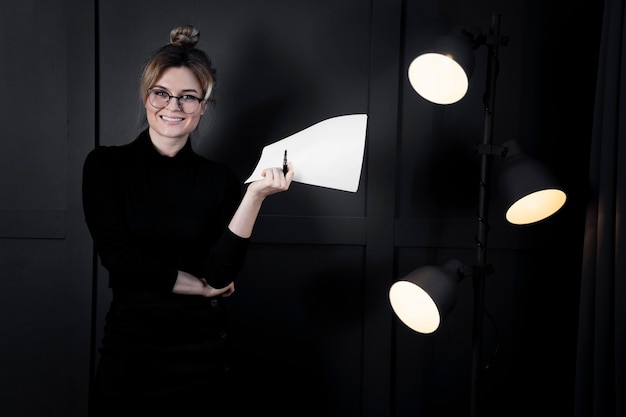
x=242 y=224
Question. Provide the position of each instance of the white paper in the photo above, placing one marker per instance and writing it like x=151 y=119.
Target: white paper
x=327 y=154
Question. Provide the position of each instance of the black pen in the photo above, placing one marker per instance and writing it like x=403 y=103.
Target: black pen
x=285 y=168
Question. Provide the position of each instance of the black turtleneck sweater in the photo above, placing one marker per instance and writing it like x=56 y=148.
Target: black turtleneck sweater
x=150 y=216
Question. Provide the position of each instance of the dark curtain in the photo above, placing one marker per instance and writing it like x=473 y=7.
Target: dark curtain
x=601 y=358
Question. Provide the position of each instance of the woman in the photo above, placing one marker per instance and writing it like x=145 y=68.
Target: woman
x=172 y=229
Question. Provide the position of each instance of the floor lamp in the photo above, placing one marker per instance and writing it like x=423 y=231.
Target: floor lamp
x=423 y=298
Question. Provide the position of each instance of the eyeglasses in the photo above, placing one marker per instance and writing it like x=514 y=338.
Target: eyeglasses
x=187 y=104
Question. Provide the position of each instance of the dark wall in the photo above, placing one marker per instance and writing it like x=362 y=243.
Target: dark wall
x=47 y=118
x=311 y=322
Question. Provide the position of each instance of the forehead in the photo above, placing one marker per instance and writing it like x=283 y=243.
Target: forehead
x=179 y=79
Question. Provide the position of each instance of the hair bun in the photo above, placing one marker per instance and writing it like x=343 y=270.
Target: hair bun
x=186 y=35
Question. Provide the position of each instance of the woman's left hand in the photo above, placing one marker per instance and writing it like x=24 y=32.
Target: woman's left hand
x=273 y=181
x=209 y=291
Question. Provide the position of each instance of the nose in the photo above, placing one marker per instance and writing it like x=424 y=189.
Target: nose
x=176 y=104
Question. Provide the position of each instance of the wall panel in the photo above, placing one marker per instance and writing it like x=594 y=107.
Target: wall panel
x=45 y=276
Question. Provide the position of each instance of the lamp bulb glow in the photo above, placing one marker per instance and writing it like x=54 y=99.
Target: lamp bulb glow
x=438 y=78
x=536 y=206
x=414 y=307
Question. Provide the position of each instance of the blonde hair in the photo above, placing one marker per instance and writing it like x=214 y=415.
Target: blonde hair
x=180 y=52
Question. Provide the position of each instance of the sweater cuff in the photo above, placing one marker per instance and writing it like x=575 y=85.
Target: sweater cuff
x=228 y=257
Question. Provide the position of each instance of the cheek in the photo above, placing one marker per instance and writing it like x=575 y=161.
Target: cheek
x=194 y=121
x=150 y=111
x=151 y=115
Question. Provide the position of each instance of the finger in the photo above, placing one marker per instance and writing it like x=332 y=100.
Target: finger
x=276 y=176
x=229 y=290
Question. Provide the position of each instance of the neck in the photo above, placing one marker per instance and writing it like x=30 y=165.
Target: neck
x=167 y=146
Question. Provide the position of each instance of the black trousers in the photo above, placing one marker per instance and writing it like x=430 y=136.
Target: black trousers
x=124 y=387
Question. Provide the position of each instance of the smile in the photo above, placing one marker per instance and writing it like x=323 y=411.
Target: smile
x=172 y=119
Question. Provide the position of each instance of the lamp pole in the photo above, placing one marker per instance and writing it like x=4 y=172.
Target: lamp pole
x=492 y=41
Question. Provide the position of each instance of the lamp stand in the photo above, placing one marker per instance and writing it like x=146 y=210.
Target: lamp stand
x=492 y=41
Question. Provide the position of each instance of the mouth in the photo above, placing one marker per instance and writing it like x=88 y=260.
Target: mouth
x=172 y=119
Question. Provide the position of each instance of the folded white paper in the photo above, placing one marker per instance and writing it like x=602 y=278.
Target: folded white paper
x=327 y=154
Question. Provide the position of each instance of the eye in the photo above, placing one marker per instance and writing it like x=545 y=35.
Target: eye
x=160 y=94
x=188 y=98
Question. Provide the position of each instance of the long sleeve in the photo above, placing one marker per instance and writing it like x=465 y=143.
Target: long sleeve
x=150 y=216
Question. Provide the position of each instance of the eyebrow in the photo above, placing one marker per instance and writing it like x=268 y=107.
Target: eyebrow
x=185 y=91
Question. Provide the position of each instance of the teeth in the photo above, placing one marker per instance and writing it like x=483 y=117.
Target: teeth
x=172 y=119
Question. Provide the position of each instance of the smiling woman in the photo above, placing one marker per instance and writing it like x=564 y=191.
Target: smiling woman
x=172 y=230
x=171 y=121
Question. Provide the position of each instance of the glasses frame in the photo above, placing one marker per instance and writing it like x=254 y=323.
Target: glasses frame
x=178 y=98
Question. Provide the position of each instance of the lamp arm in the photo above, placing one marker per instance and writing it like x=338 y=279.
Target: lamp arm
x=490 y=149
x=495 y=39
x=476 y=271
x=490 y=39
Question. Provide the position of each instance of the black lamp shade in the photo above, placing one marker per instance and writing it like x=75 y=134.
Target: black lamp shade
x=530 y=191
x=423 y=298
x=441 y=75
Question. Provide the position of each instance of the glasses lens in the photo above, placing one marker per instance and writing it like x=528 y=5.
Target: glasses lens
x=159 y=99
x=188 y=104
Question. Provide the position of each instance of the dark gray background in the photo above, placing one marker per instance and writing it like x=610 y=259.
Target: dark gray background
x=311 y=318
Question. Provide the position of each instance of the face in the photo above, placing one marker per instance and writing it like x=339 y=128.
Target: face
x=170 y=122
